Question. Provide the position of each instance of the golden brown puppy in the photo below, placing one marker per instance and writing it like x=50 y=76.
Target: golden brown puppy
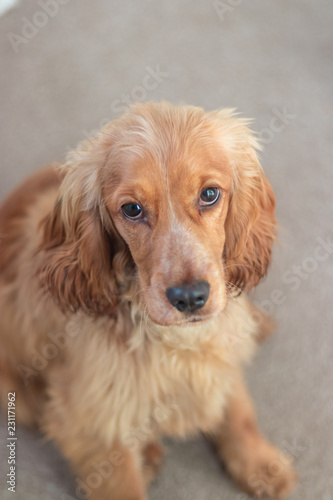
x=120 y=295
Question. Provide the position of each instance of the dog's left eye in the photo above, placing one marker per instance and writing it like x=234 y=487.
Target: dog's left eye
x=209 y=196
x=132 y=211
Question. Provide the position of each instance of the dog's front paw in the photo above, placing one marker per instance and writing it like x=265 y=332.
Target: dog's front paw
x=263 y=471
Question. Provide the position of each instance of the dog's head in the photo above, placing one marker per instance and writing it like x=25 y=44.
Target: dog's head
x=171 y=199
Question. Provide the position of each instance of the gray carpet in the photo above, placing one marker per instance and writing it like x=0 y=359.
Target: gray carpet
x=62 y=80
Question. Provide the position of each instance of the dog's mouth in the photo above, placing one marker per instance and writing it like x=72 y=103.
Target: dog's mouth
x=197 y=320
x=185 y=322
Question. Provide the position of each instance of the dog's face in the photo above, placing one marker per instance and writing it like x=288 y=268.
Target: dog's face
x=179 y=193
x=171 y=212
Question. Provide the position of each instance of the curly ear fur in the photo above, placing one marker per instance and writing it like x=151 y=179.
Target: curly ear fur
x=83 y=256
x=250 y=225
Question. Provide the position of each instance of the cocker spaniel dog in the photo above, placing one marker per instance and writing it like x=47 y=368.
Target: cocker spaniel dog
x=123 y=317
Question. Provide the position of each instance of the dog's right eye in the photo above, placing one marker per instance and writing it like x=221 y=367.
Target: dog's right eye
x=209 y=196
x=132 y=211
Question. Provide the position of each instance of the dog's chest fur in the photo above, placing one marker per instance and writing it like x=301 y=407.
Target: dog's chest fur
x=191 y=389
x=160 y=391
x=171 y=381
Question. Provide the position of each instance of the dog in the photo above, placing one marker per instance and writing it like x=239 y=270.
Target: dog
x=123 y=279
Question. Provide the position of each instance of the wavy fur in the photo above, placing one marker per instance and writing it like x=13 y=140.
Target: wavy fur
x=99 y=357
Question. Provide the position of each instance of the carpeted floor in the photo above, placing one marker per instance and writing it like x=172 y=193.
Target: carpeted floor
x=70 y=67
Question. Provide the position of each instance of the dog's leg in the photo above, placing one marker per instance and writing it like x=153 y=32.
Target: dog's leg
x=258 y=466
x=114 y=474
x=29 y=398
x=152 y=461
x=103 y=473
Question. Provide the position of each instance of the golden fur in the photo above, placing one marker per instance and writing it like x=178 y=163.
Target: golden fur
x=98 y=356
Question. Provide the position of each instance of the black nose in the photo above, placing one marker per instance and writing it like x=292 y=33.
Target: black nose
x=188 y=297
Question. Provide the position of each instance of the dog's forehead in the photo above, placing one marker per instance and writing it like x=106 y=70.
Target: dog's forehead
x=154 y=159
x=174 y=163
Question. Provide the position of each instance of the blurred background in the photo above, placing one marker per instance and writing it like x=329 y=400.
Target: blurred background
x=69 y=66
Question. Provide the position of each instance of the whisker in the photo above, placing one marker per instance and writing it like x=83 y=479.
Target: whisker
x=157 y=285
x=140 y=291
x=247 y=266
x=233 y=286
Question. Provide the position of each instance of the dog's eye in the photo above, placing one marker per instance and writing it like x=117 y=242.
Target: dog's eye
x=132 y=211
x=209 y=196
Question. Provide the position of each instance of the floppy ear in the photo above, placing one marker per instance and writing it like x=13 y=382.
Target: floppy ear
x=250 y=224
x=82 y=256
